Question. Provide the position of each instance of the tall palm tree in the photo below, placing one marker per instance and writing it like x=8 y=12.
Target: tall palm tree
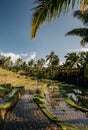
x=53 y=60
x=82 y=32
x=53 y=63
x=46 y=10
x=73 y=60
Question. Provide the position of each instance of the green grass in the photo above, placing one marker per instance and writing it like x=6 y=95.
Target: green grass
x=15 y=79
x=5 y=89
x=68 y=88
x=73 y=104
x=9 y=103
x=10 y=100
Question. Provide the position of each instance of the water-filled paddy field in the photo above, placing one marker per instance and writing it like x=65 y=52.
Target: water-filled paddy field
x=56 y=103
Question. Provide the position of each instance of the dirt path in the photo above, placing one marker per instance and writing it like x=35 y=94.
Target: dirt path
x=27 y=116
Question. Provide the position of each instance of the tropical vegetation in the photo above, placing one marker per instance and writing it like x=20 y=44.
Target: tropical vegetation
x=47 y=10
x=82 y=32
x=73 y=70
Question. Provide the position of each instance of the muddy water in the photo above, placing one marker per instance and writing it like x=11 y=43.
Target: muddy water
x=56 y=104
x=27 y=116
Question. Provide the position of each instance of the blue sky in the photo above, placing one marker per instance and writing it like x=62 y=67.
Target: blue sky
x=15 y=29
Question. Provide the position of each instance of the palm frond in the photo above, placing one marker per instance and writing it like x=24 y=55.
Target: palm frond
x=82 y=16
x=83 y=5
x=82 y=32
x=46 y=10
x=84 y=41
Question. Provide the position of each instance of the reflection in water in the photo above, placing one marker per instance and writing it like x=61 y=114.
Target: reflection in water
x=77 y=91
x=2 y=100
x=73 y=97
x=56 y=104
x=78 y=95
x=52 y=99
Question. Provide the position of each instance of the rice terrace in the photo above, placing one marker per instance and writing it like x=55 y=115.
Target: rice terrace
x=44 y=77
x=27 y=104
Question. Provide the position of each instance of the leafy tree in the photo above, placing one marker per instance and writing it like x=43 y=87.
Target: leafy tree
x=2 y=60
x=31 y=63
x=5 y=62
x=84 y=62
x=19 y=62
x=76 y=62
x=40 y=63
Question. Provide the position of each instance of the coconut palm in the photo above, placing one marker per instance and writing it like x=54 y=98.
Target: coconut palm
x=73 y=63
x=82 y=32
x=47 y=10
x=53 y=60
x=73 y=60
x=53 y=63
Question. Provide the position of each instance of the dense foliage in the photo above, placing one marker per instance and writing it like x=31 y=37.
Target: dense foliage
x=73 y=70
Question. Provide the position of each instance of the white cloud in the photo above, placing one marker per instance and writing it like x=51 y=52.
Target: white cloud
x=13 y=56
x=62 y=62
x=78 y=50
x=31 y=56
x=46 y=64
x=24 y=56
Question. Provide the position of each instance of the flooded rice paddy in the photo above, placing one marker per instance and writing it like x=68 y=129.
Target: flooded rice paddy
x=56 y=104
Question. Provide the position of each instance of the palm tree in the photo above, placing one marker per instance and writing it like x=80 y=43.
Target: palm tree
x=40 y=63
x=84 y=63
x=7 y=62
x=82 y=32
x=2 y=60
x=40 y=68
x=77 y=62
x=53 y=60
x=53 y=63
x=47 y=10
x=31 y=63
x=19 y=62
x=72 y=59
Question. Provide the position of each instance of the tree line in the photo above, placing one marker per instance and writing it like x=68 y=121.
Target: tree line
x=73 y=70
